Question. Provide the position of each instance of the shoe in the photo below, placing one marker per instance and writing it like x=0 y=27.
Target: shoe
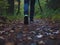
x=26 y=20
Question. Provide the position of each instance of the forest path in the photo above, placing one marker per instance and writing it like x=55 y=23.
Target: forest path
x=44 y=31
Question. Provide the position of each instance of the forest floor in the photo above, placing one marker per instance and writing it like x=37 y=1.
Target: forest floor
x=40 y=32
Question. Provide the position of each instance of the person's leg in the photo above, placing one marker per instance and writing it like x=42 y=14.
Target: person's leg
x=32 y=5
x=26 y=7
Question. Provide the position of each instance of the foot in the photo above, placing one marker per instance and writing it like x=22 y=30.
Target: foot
x=26 y=20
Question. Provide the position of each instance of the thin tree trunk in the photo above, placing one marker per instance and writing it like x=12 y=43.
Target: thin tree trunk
x=40 y=6
x=18 y=7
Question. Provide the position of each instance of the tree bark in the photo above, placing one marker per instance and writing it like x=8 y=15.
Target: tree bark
x=18 y=7
x=11 y=6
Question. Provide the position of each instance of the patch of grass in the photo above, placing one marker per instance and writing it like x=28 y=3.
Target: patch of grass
x=56 y=17
x=14 y=17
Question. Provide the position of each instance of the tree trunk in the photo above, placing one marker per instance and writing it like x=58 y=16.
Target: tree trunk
x=11 y=6
x=18 y=7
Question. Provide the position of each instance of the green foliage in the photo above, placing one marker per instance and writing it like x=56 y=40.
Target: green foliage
x=53 y=4
x=3 y=6
x=47 y=13
x=14 y=17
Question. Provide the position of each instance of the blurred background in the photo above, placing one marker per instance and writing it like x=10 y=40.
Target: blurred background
x=14 y=9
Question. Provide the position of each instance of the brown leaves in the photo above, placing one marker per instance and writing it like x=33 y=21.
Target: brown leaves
x=28 y=32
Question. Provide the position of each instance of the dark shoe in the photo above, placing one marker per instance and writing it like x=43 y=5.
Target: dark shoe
x=26 y=20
